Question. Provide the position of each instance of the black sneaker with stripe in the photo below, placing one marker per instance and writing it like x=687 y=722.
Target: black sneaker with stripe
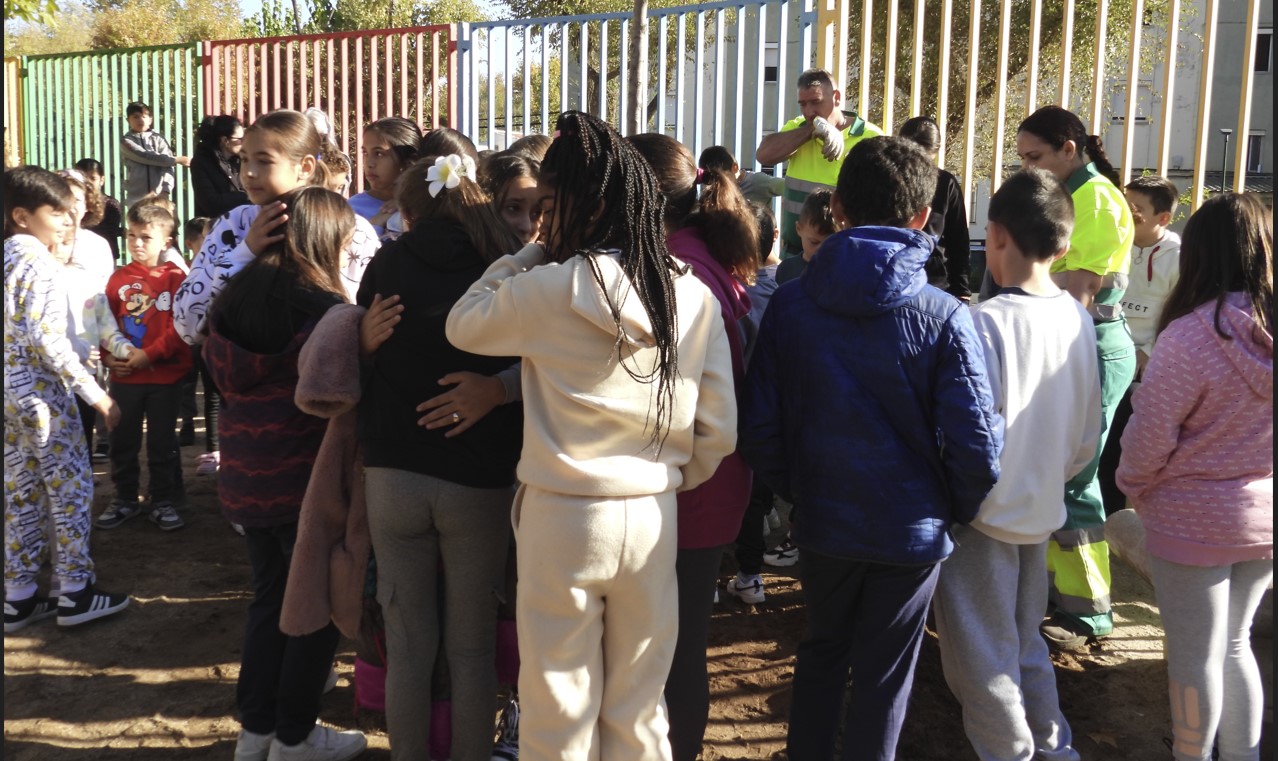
x=20 y=614
x=87 y=604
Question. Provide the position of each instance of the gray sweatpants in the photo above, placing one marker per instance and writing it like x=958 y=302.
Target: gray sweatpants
x=989 y=602
x=1212 y=675
x=416 y=520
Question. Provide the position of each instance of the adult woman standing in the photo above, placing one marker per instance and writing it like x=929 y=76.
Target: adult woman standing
x=215 y=167
x=1094 y=271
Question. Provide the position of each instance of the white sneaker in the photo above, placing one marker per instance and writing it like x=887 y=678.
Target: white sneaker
x=783 y=555
x=323 y=744
x=251 y=746
x=747 y=589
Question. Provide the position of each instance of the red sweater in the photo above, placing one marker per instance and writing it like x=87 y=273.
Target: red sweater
x=141 y=299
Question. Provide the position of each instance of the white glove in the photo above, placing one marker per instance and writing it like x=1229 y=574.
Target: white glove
x=831 y=138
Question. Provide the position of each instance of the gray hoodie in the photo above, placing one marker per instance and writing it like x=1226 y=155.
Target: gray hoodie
x=148 y=165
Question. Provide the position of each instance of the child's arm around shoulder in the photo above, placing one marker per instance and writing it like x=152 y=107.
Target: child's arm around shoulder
x=503 y=313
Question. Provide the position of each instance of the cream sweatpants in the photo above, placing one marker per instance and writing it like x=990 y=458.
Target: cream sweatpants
x=597 y=617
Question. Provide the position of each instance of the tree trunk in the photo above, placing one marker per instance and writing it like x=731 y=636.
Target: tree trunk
x=297 y=19
x=638 y=75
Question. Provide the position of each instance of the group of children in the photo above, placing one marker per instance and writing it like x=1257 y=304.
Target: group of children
x=594 y=328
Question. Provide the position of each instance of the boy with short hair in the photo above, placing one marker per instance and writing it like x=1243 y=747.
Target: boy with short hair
x=1040 y=351
x=815 y=224
x=867 y=408
x=149 y=385
x=193 y=232
x=148 y=158
x=1155 y=270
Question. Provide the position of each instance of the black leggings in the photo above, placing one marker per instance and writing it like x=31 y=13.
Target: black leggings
x=688 y=686
x=212 y=403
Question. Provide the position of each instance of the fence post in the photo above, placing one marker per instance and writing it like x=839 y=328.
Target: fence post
x=459 y=62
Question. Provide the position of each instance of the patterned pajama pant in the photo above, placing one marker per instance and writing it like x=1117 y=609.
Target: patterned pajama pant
x=48 y=487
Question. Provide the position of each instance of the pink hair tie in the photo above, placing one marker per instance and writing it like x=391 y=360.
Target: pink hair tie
x=701 y=176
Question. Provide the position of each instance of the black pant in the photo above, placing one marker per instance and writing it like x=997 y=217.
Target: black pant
x=688 y=685
x=750 y=539
x=865 y=619
x=212 y=402
x=281 y=677
x=88 y=416
x=1114 y=498
x=157 y=404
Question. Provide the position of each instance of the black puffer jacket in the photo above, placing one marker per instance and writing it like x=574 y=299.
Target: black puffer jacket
x=216 y=192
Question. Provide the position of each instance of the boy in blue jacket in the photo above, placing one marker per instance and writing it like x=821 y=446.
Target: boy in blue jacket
x=868 y=407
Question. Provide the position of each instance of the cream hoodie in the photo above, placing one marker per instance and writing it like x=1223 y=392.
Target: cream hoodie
x=586 y=420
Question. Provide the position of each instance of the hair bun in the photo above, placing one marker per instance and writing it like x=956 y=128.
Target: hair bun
x=321 y=122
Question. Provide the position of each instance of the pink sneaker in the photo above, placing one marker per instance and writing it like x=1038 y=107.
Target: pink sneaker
x=207 y=464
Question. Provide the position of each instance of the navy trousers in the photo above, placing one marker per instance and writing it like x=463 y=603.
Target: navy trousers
x=865 y=621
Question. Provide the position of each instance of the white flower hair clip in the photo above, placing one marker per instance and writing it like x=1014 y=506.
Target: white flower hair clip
x=449 y=171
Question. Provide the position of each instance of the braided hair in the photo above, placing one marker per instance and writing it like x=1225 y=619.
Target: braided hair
x=606 y=197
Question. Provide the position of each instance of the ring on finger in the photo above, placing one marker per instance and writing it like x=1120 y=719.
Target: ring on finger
x=456 y=417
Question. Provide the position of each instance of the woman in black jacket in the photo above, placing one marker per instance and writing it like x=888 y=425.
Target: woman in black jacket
x=948 y=267
x=215 y=167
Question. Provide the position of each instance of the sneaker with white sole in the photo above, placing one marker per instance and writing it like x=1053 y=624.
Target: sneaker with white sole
x=747 y=589
x=19 y=614
x=250 y=746
x=164 y=515
x=207 y=464
x=89 y=604
x=783 y=555
x=119 y=511
x=323 y=744
x=507 y=746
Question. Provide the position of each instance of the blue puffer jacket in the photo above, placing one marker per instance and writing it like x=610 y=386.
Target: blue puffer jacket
x=867 y=403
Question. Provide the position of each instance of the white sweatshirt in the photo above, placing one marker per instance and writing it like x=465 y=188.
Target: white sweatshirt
x=587 y=422
x=1154 y=272
x=1040 y=352
x=224 y=254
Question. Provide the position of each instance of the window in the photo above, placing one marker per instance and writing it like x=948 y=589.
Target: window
x=1144 y=102
x=771 y=62
x=1264 y=51
x=1255 y=152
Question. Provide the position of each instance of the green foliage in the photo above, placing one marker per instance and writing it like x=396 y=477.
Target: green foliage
x=323 y=16
x=31 y=11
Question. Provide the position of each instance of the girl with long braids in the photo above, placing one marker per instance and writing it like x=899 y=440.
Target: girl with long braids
x=1094 y=271
x=628 y=398
x=717 y=238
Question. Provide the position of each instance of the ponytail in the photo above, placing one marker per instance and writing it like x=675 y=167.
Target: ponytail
x=722 y=217
x=1096 y=152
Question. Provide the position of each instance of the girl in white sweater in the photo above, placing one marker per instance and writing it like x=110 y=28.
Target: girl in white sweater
x=628 y=398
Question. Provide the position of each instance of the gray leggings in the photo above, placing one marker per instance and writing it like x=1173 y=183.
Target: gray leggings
x=416 y=521
x=1212 y=674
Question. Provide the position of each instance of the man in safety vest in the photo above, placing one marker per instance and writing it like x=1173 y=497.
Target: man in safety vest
x=814 y=145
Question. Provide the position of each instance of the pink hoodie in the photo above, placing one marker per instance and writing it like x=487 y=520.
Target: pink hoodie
x=1198 y=459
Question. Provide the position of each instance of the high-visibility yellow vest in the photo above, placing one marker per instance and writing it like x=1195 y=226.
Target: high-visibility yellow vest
x=807 y=170
x=1102 y=239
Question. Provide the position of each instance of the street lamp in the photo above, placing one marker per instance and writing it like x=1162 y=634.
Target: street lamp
x=1224 y=158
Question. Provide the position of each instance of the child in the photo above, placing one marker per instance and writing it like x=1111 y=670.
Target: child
x=757 y=187
x=148 y=159
x=438 y=503
x=110 y=226
x=531 y=147
x=1198 y=463
x=149 y=385
x=747 y=585
x=1154 y=273
x=1040 y=351
x=816 y=223
x=48 y=487
x=193 y=233
x=949 y=267
x=390 y=145
x=869 y=410
x=511 y=181
x=612 y=428
x=279 y=156
x=338 y=164
x=257 y=328
x=713 y=232
x=171 y=254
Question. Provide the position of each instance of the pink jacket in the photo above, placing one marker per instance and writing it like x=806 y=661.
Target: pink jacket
x=710 y=515
x=1198 y=458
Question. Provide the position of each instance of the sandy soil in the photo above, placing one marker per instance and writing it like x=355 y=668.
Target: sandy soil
x=157 y=682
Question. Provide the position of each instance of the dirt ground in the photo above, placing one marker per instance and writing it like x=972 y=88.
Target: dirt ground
x=157 y=683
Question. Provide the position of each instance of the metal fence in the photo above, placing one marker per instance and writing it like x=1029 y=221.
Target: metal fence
x=719 y=73
x=74 y=107
x=12 y=111
x=356 y=78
